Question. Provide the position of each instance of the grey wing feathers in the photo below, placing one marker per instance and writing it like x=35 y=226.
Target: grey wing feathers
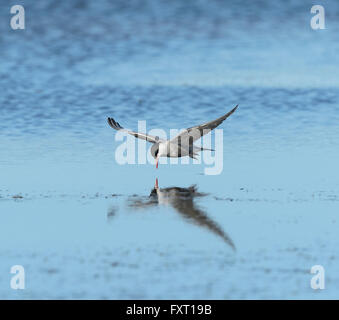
x=115 y=125
x=214 y=123
x=197 y=132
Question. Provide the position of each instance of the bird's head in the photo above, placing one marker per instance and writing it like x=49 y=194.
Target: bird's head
x=155 y=150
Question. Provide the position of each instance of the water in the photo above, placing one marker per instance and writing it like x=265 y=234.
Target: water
x=84 y=227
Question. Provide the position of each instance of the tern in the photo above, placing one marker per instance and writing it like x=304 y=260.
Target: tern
x=181 y=145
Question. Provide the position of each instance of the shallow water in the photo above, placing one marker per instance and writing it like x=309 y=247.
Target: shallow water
x=85 y=227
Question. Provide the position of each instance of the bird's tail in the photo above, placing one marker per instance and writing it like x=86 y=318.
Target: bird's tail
x=206 y=149
x=198 y=149
x=193 y=156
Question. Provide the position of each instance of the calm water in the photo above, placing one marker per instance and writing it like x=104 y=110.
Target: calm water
x=85 y=227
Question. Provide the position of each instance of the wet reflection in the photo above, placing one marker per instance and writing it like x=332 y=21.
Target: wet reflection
x=183 y=201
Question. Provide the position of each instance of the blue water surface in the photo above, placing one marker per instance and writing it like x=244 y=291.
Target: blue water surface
x=84 y=227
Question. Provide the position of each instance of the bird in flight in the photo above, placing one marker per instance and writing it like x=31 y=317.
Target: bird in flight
x=181 y=145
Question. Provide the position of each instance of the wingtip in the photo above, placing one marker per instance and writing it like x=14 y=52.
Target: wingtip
x=230 y=112
x=110 y=122
x=115 y=125
x=235 y=108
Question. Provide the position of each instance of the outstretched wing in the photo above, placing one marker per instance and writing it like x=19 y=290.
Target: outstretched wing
x=194 y=133
x=115 y=125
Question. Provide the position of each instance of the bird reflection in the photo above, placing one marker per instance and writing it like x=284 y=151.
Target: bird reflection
x=183 y=201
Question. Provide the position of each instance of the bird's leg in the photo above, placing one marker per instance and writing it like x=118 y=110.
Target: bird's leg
x=156 y=162
x=156 y=184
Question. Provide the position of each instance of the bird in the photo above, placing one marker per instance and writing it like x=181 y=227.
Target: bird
x=181 y=145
